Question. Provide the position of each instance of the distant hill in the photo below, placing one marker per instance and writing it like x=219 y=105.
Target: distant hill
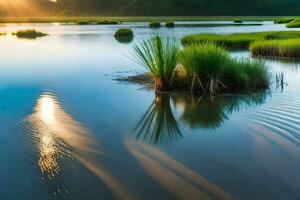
x=156 y=7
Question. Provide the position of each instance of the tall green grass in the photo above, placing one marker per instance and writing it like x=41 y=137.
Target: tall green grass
x=160 y=58
x=214 y=71
x=238 y=40
x=206 y=64
x=289 y=48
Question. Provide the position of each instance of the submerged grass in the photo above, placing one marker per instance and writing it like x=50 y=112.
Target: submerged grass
x=29 y=34
x=160 y=58
x=289 y=48
x=238 y=40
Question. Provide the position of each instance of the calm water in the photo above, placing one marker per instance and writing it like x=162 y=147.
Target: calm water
x=69 y=131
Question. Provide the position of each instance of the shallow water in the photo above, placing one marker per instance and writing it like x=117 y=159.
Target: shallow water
x=69 y=131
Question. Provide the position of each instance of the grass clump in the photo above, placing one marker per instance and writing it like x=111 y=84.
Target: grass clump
x=238 y=40
x=293 y=24
x=289 y=48
x=29 y=34
x=201 y=68
x=214 y=71
x=83 y=23
x=124 y=32
x=160 y=58
x=238 y=21
x=154 y=25
x=170 y=24
x=106 y=22
x=283 y=20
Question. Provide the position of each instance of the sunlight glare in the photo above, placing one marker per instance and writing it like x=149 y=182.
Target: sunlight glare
x=47 y=110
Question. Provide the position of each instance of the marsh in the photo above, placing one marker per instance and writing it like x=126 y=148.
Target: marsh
x=70 y=130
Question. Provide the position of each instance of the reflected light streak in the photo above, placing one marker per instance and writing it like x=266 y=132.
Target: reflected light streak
x=177 y=179
x=55 y=135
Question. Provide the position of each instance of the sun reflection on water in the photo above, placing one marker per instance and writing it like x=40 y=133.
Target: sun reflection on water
x=55 y=136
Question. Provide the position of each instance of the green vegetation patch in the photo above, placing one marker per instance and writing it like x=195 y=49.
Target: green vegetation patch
x=238 y=21
x=154 y=24
x=170 y=24
x=294 y=24
x=283 y=20
x=83 y=22
x=289 y=48
x=238 y=40
x=124 y=32
x=105 y=22
x=159 y=57
x=213 y=71
x=200 y=68
x=29 y=34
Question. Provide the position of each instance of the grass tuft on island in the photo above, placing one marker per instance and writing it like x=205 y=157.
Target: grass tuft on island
x=238 y=40
x=154 y=25
x=283 y=20
x=289 y=48
x=199 y=68
x=29 y=34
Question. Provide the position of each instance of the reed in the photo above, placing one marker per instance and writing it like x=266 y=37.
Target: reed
x=160 y=58
x=289 y=48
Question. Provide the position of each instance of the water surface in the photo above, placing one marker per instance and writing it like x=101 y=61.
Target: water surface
x=69 y=131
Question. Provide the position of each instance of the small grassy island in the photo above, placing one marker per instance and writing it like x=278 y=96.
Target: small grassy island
x=124 y=32
x=283 y=20
x=199 y=68
x=154 y=25
x=238 y=40
x=170 y=24
x=293 y=24
x=105 y=22
x=238 y=21
x=29 y=34
x=277 y=48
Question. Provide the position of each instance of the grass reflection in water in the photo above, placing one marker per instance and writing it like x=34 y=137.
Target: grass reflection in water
x=160 y=125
